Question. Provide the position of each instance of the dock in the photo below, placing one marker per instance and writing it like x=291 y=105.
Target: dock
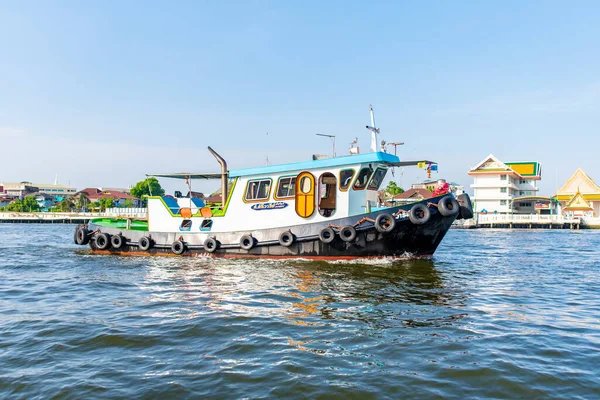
x=69 y=218
x=534 y=221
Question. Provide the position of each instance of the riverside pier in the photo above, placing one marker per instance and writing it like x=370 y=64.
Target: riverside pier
x=534 y=221
x=69 y=218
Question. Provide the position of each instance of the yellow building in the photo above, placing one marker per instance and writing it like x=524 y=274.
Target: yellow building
x=579 y=196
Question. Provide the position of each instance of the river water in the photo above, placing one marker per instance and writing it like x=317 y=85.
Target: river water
x=495 y=314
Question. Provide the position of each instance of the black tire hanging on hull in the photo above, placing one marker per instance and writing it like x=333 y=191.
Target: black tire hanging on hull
x=145 y=243
x=117 y=241
x=327 y=235
x=82 y=236
x=102 y=241
x=178 y=247
x=419 y=214
x=466 y=207
x=286 y=239
x=211 y=245
x=385 y=223
x=247 y=242
x=448 y=206
x=348 y=233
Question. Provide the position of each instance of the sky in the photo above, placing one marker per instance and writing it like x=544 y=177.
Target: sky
x=101 y=93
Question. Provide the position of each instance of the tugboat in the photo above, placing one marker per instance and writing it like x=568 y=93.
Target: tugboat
x=318 y=209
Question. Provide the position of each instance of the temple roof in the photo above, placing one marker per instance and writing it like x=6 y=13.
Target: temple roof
x=579 y=182
x=578 y=202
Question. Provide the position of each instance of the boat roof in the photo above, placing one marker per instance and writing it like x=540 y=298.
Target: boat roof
x=375 y=157
x=188 y=175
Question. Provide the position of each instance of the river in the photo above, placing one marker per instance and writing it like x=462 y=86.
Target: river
x=494 y=314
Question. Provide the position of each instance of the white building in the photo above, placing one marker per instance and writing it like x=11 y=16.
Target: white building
x=22 y=189
x=497 y=184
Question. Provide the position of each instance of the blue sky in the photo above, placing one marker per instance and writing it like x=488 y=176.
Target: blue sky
x=102 y=92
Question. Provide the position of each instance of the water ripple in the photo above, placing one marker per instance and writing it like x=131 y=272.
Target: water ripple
x=496 y=313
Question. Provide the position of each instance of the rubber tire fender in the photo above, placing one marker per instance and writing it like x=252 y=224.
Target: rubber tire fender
x=385 y=223
x=419 y=214
x=327 y=235
x=145 y=243
x=348 y=233
x=75 y=234
x=117 y=241
x=211 y=245
x=247 y=242
x=466 y=207
x=448 y=206
x=178 y=247
x=102 y=241
x=286 y=239
x=82 y=236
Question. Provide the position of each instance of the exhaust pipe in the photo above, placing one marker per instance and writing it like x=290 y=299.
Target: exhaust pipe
x=224 y=176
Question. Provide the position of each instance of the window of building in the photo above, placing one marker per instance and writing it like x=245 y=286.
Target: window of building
x=502 y=190
x=377 y=179
x=502 y=202
x=502 y=177
x=363 y=177
x=346 y=176
x=286 y=187
x=257 y=190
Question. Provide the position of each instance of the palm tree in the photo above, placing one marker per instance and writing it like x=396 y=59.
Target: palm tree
x=82 y=201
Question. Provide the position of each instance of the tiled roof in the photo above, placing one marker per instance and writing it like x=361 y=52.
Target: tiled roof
x=412 y=193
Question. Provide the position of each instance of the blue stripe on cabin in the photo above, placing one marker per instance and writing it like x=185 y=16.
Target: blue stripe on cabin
x=377 y=157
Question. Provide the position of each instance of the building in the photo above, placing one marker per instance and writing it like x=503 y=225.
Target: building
x=18 y=189
x=498 y=186
x=119 y=198
x=579 y=196
x=412 y=195
x=24 y=189
x=455 y=188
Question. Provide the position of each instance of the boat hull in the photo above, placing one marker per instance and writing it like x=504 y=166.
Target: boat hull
x=407 y=239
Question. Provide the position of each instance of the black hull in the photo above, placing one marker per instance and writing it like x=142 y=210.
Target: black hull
x=406 y=240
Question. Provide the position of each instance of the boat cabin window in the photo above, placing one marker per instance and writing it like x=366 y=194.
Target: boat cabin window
x=327 y=194
x=186 y=225
x=286 y=187
x=363 y=177
x=206 y=225
x=377 y=179
x=259 y=189
x=346 y=176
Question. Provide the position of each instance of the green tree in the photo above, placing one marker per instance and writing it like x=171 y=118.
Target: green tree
x=65 y=205
x=82 y=201
x=393 y=188
x=147 y=187
x=128 y=203
x=15 y=205
x=30 y=204
x=106 y=202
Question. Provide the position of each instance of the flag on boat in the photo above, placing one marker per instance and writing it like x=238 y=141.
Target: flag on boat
x=421 y=164
x=434 y=167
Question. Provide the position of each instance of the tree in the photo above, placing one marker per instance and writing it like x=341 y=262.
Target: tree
x=82 y=201
x=106 y=202
x=128 y=203
x=15 y=205
x=141 y=188
x=393 y=189
x=30 y=204
x=65 y=205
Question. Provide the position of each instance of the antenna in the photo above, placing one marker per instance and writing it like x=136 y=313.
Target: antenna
x=373 y=129
x=395 y=144
x=332 y=137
